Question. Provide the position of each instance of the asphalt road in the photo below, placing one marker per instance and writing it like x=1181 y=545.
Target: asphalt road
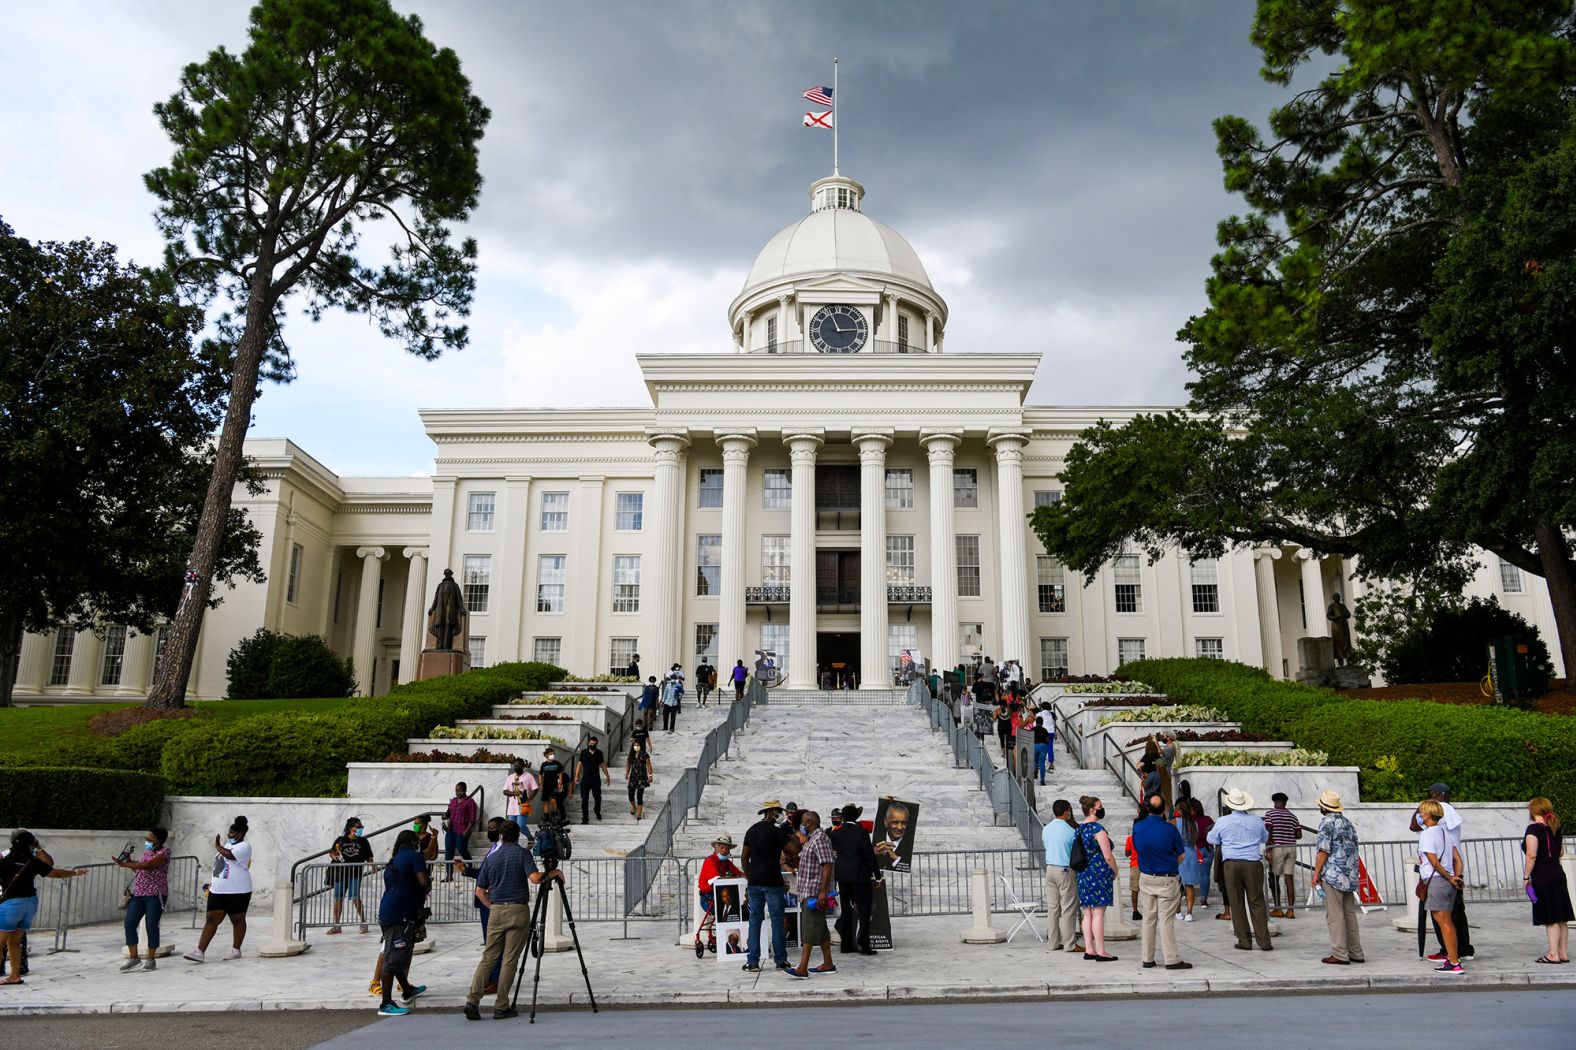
x=1464 y=1019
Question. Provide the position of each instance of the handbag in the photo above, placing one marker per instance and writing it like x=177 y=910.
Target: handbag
x=1422 y=888
x=1078 y=856
x=125 y=897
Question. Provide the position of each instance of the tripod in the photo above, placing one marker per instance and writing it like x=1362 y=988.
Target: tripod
x=537 y=934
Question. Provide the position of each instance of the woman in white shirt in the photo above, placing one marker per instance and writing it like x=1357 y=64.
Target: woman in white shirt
x=230 y=892
x=1439 y=866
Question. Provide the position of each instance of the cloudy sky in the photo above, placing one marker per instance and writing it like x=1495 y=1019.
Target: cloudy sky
x=1051 y=162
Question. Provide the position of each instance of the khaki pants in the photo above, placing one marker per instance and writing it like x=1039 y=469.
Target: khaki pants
x=1245 y=896
x=1061 y=908
x=1340 y=914
x=1157 y=901
x=507 y=928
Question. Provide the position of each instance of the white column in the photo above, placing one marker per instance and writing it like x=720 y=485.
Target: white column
x=665 y=645
x=513 y=511
x=941 y=445
x=1313 y=594
x=136 y=665
x=930 y=331
x=736 y=447
x=802 y=446
x=782 y=321
x=744 y=321
x=873 y=670
x=362 y=653
x=33 y=671
x=413 y=632
x=87 y=652
x=887 y=332
x=1014 y=586
x=793 y=329
x=330 y=585
x=1264 y=559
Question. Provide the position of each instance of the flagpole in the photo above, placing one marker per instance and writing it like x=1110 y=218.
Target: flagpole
x=835 y=120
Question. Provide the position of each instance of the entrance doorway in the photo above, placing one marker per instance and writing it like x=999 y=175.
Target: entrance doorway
x=837 y=658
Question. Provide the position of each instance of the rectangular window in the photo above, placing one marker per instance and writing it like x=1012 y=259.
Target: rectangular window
x=1050 y=584
x=1509 y=577
x=476 y=645
x=1128 y=577
x=339 y=591
x=971 y=640
x=629 y=511
x=774 y=640
x=777 y=491
x=1206 y=586
x=479 y=511
x=550 y=579
x=1128 y=650
x=900 y=636
x=708 y=565
x=710 y=487
x=547 y=650
x=377 y=621
x=475 y=581
x=620 y=651
x=771 y=335
x=1053 y=658
x=900 y=489
x=60 y=663
x=1047 y=497
x=965 y=488
x=626 y=583
x=968 y=566
x=776 y=568
x=706 y=642
x=161 y=638
x=293 y=582
x=900 y=559
x=1209 y=648
x=114 y=655
x=555 y=512
x=902 y=334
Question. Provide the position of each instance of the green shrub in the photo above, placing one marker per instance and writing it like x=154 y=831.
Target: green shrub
x=1451 y=645
x=273 y=666
x=1487 y=754
x=248 y=665
x=78 y=797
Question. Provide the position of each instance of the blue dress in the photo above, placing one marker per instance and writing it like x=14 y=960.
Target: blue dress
x=1096 y=880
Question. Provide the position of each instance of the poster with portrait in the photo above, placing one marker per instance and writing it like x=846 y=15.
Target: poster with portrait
x=894 y=833
x=880 y=919
x=728 y=899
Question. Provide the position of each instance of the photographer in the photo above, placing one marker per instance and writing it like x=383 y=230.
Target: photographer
x=19 y=895
x=503 y=885
x=150 y=888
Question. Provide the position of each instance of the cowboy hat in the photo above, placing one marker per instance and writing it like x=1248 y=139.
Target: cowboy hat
x=723 y=840
x=1330 y=801
x=768 y=807
x=851 y=811
x=1238 y=799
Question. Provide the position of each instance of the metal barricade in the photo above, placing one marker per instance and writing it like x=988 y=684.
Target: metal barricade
x=1491 y=867
x=95 y=897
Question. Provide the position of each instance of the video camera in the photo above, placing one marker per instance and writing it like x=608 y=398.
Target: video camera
x=551 y=843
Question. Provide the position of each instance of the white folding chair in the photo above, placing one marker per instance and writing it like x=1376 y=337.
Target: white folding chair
x=1025 y=912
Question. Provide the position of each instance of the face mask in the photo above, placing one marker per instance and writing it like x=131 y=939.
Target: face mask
x=1099 y=814
x=359 y=832
x=230 y=841
x=492 y=835
x=147 y=843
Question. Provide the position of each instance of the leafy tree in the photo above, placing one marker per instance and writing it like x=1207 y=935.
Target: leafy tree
x=1384 y=370
x=338 y=117
x=105 y=412
x=272 y=666
x=1449 y=645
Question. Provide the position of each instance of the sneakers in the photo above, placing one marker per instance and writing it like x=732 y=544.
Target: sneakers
x=233 y=953
x=1438 y=957
x=1188 y=917
x=195 y=955
x=363 y=927
x=393 y=1010
x=130 y=965
x=1466 y=957
x=751 y=968
x=151 y=964
x=506 y=1013
x=408 y=996
x=332 y=930
x=375 y=988
x=1447 y=967
x=472 y=1012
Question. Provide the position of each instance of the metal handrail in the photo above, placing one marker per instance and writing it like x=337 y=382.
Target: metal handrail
x=481 y=809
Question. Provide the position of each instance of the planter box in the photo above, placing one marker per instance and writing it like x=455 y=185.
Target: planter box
x=1085 y=719
x=598 y=718
x=1302 y=784
x=616 y=701
x=1129 y=776
x=424 y=780
x=569 y=732
x=530 y=750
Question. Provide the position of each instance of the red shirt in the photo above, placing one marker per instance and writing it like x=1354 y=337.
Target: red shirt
x=714 y=868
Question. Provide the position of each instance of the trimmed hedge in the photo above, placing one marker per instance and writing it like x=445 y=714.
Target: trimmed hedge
x=1486 y=754
x=78 y=797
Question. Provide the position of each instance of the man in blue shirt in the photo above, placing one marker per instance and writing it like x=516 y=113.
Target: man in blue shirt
x=1061 y=882
x=504 y=885
x=405 y=884
x=1158 y=845
x=1239 y=842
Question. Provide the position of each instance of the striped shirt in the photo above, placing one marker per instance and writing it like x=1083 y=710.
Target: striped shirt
x=1282 y=826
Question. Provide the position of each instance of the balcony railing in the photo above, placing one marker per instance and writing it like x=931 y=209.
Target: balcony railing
x=773 y=594
x=804 y=346
x=907 y=594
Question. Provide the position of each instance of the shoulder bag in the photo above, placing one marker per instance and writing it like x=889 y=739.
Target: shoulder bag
x=1078 y=856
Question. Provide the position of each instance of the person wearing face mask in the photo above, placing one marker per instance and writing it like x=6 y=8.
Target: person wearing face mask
x=1097 y=880
x=1239 y=843
x=230 y=892
x=150 y=888
x=351 y=854
x=637 y=775
x=494 y=839
x=518 y=788
x=23 y=862
x=426 y=838
x=555 y=785
x=717 y=866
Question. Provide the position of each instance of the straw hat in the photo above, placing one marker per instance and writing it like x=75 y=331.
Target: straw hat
x=768 y=807
x=1238 y=799
x=1330 y=801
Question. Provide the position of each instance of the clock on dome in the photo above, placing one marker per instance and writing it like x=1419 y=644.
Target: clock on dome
x=838 y=330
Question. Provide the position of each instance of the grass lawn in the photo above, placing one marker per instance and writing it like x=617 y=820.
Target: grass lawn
x=25 y=730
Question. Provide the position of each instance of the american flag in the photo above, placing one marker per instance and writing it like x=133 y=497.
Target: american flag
x=821 y=96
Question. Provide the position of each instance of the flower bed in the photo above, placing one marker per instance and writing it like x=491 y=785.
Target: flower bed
x=1164 y=713
x=1109 y=688
x=491 y=733
x=540 y=716
x=557 y=701
x=1217 y=736
x=599 y=678
x=1297 y=756
x=481 y=757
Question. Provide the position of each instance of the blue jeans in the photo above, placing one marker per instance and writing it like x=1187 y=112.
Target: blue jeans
x=452 y=841
x=152 y=908
x=1042 y=754
x=764 y=899
x=520 y=822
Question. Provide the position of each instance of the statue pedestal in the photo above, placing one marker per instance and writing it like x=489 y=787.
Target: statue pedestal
x=435 y=663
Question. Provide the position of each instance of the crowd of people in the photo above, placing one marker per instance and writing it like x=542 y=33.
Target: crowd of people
x=1173 y=848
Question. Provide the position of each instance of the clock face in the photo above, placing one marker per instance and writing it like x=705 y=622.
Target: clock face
x=838 y=330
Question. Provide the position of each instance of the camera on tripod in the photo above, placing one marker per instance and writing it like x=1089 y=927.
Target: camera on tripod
x=552 y=841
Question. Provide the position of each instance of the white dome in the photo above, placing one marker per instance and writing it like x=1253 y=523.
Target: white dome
x=836 y=239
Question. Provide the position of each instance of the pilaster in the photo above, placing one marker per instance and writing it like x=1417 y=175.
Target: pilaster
x=365 y=648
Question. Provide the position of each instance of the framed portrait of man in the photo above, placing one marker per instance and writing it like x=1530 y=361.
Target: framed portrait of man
x=894 y=833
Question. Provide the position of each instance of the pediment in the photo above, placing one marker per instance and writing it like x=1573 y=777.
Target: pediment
x=838 y=283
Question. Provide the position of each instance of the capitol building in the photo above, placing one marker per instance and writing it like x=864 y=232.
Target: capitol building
x=840 y=488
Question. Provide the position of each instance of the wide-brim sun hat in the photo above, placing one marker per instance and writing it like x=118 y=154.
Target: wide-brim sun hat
x=1238 y=799
x=851 y=811
x=1330 y=801
x=769 y=806
x=723 y=840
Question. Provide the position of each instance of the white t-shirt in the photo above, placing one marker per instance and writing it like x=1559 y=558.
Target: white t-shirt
x=1451 y=822
x=237 y=874
x=1432 y=840
x=1048 y=720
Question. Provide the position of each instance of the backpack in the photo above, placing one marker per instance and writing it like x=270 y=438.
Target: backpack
x=1078 y=856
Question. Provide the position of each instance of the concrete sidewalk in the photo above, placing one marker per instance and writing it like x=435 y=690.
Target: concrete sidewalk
x=930 y=964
